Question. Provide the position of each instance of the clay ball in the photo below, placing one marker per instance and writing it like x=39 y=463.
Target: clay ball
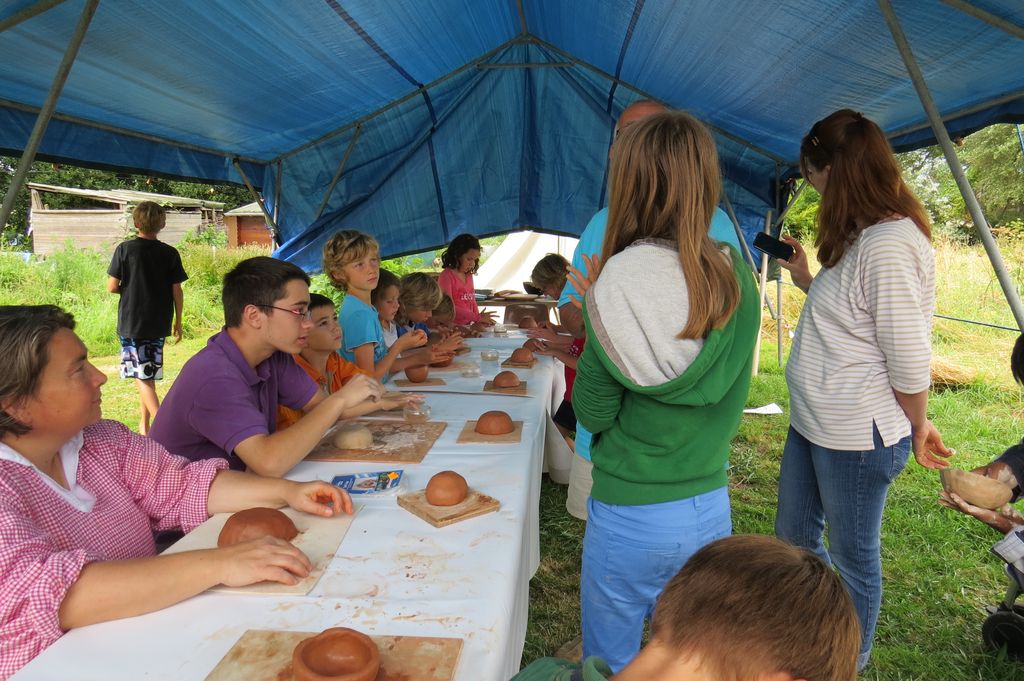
x=447 y=488
x=522 y=356
x=494 y=423
x=256 y=523
x=338 y=654
x=506 y=379
x=353 y=436
x=975 y=489
x=527 y=322
x=417 y=374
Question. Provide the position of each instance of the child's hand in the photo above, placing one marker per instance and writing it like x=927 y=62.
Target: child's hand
x=261 y=560
x=582 y=281
x=487 y=318
x=359 y=389
x=318 y=498
x=542 y=332
x=438 y=354
x=412 y=339
x=451 y=343
x=536 y=345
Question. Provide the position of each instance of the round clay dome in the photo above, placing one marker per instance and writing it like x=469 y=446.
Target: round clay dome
x=336 y=654
x=494 y=423
x=975 y=489
x=447 y=488
x=527 y=322
x=417 y=374
x=255 y=523
x=506 y=379
x=522 y=356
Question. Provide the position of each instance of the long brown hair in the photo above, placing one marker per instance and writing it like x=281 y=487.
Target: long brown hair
x=864 y=182
x=664 y=184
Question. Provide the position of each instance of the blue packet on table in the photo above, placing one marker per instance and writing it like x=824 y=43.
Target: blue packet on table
x=372 y=484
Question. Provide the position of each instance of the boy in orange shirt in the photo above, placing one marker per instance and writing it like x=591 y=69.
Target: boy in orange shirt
x=321 y=360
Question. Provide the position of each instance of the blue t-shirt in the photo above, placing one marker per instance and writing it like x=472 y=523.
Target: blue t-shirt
x=592 y=243
x=360 y=325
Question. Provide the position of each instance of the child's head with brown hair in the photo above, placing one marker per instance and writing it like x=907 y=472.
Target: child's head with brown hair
x=1017 y=360
x=848 y=158
x=444 y=313
x=462 y=254
x=325 y=336
x=664 y=184
x=149 y=217
x=420 y=296
x=549 y=274
x=344 y=249
x=748 y=607
x=385 y=296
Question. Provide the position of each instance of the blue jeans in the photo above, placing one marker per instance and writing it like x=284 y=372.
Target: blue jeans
x=847 y=489
x=629 y=554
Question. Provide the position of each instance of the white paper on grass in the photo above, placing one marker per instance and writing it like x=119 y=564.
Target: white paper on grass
x=766 y=409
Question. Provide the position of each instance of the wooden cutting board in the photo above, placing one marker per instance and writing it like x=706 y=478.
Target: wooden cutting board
x=470 y=436
x=473 y=505
x=393 y=442
x=519 y=390
x=318 y=538
x=509 y=364
x=406 y=383
x=266 y=655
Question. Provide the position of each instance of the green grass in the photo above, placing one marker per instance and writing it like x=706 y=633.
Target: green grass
x=939 y=574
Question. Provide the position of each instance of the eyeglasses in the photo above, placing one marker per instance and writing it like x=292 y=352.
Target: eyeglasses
x=302 y=315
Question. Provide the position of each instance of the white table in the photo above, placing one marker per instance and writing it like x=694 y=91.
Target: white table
x=394 y=573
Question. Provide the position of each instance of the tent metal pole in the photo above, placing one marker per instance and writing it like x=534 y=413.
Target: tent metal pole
x=989 y=18
x=43 y=119
x=959 y=113
x=747 y=255
x=522 y=18
x=980 y=223
x=529 y=65
x=277 y=190
x=792 y=202
x=339 y=171
x=1020 y=138
x=259 y=200
x=762 y=290
x=28 y=13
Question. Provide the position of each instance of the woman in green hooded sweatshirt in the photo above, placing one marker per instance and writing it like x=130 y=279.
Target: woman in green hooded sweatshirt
x=662 y=382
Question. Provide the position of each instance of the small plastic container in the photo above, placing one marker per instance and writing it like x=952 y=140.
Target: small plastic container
x=500 y=330
x=489 y=355
x=416 y=412
x=470 y=370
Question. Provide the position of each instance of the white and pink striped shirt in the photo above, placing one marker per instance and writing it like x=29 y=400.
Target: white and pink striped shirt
x=125 y=487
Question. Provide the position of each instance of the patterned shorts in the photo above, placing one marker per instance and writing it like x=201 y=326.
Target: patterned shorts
x=142 y=358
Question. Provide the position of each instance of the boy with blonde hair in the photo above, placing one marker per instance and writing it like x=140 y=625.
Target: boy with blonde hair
x=147 y=274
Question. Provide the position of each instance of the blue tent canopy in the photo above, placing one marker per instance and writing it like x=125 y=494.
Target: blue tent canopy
x=420 y=120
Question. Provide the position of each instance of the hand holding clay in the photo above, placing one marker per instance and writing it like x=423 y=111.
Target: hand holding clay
x=319 y=498
x=261 y=560
x=1003 y=520
x=412 y=339
x=535 y=345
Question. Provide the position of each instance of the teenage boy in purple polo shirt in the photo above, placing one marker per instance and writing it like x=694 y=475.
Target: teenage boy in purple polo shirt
x=224 y=401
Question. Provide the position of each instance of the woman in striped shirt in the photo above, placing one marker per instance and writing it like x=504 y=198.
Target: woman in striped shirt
x=859 y=372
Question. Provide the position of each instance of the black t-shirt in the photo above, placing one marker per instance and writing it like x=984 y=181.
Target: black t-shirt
x=1014 y=458
x=147 y=269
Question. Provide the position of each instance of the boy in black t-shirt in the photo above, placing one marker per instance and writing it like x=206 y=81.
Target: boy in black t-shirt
x=147 y=273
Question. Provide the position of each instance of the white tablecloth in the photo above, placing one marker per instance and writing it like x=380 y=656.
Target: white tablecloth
x=394 y=573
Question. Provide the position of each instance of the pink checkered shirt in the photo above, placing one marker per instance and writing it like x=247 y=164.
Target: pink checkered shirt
x=45 y=542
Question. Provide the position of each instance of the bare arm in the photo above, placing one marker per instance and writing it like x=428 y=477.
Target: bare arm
x=179 y=303
x=113 y=285
x=275 y=454
x=391 y=362
x=572 y=320
x=927 y=444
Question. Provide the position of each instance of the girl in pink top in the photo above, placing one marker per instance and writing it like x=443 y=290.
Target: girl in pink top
x=461 y=260
x=80 y=498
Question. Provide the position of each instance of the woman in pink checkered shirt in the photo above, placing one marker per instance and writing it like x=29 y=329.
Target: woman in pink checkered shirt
x=80 y=498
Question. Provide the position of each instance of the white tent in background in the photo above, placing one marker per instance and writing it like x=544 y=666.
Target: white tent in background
x=510 y=264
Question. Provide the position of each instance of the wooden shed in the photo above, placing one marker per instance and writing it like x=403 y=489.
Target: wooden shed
x=103 y=228
x=246 y=225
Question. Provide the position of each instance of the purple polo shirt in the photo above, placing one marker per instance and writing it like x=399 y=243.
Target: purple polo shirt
x=218 y=400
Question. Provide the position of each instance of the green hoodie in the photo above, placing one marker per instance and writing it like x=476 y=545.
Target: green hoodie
x=663 y=410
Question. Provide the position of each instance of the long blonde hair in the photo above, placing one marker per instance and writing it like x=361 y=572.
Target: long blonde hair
x=664 y=184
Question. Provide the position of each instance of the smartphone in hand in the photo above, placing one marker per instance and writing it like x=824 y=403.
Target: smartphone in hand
x=772 y=246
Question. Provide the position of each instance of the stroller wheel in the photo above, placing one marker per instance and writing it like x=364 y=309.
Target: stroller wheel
x=1005 y=629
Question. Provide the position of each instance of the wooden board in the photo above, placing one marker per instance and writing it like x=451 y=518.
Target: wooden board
x=519 y=365
x=318 y=538
x=470 y=436
x=473 y=505
x=406 y=383
x=266 y=655
x=394 y=441
x=519 y=390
